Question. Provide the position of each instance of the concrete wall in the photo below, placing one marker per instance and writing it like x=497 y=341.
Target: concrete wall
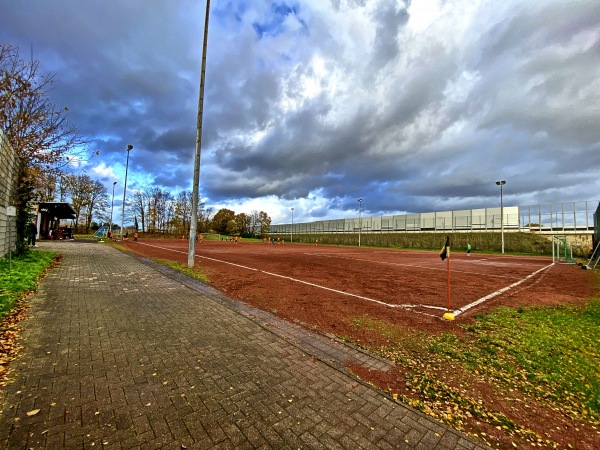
x=8 y=186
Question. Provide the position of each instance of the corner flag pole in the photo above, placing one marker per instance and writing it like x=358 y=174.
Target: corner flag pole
x=448 y=283
x=445 y=254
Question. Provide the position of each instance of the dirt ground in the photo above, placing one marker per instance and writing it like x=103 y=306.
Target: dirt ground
x=326 y=287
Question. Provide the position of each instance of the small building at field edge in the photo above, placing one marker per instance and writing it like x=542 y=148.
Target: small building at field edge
x=48 y=217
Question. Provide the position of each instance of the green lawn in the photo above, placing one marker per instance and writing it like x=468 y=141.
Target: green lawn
x=20 y=276
x=549 y=355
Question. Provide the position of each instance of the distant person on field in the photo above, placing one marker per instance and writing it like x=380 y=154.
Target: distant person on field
x=135 y=236
x=468 y=249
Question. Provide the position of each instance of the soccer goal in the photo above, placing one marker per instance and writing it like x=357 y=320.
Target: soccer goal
x=594 y=259
x=562 y=251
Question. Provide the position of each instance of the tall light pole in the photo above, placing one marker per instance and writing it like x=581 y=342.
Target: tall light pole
x=129 y=148
x=359 y=219
x=501 y=183
x=196 y=181
x=292 y=233
x=112 y=203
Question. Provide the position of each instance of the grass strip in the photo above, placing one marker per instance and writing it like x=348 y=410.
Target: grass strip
x=20 y=276
x=193 y=273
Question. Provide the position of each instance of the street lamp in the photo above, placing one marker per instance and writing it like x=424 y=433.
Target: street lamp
x=129 y=147
x=112 y=203
x=501 y=183
x=197 y=154
x=359 y=219
x=292 y=233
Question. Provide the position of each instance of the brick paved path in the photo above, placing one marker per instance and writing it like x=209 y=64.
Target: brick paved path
x=121 y=353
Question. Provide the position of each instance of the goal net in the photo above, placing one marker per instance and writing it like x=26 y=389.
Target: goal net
x=562 y=252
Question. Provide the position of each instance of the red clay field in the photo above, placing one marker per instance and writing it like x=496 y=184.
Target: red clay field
x=325 y=286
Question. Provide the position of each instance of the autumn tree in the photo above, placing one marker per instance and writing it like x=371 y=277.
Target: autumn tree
x=37 y=129
x=48 y=190
x=221 y=220
x=264 y=222
x=87 y=198
x=137 y=207
x=206 y=217
x=253 y=224
x=97 y=203
x=259 y=223
x=182 y=213
x=243 y=222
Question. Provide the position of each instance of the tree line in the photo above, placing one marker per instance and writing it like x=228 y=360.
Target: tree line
x=45 y=142
x=155 y=210
x=152 y=210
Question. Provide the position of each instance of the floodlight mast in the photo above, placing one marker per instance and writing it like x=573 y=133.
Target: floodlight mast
x=292 y=232
x=112 y=203
x=129 y=148
x=196 y=186
x=359 y=219
x=501 y=183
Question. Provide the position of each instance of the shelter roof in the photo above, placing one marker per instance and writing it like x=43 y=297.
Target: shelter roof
x=60 y=210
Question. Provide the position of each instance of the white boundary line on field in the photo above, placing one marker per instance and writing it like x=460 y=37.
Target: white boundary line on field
x=389 y=305
x=389 y=263
x=499 y=291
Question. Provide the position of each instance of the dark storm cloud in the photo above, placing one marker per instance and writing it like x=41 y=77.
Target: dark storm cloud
x=390 y=20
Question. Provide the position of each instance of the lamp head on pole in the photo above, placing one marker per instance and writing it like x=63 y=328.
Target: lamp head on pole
x=129 y=147
x=114 y=182
x=501 y=182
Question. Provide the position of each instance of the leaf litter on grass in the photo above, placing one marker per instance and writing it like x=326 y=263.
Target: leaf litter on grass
x=504 y=370
x=17 y=280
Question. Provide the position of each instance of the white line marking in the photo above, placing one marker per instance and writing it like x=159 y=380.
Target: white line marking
x=498 y=292
x=414 y=265
x=389 y=305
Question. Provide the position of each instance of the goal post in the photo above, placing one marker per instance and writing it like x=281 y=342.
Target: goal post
x=562 y=251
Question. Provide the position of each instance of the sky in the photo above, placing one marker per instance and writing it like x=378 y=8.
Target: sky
x=413 y=106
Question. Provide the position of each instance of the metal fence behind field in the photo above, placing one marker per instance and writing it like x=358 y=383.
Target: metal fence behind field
x=572 y=217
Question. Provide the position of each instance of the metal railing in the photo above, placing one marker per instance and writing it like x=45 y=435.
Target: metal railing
x=571 y=217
